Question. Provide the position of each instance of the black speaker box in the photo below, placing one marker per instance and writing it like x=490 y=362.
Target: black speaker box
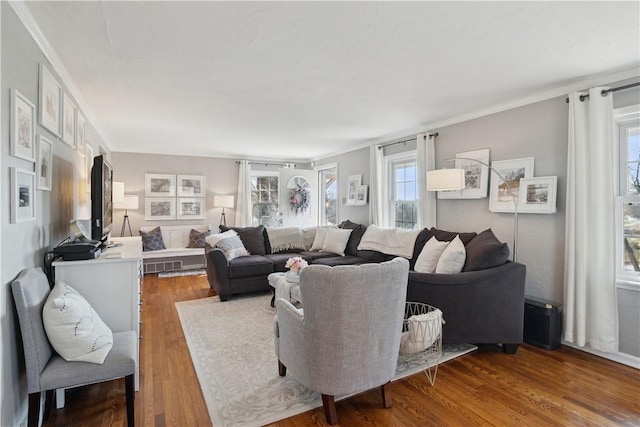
x=542 y=323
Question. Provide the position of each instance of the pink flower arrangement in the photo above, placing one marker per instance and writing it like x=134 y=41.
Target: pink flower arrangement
x=296 y=264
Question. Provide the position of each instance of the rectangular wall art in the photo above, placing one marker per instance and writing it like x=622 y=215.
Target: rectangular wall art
x=44 y=164
x=159 y=185
x=538 y=195
x=160 y=208
x=512 y=171
x=23 y=195
x=476 y=175
x=23 y=123
x=50 y=101
x=190 y=208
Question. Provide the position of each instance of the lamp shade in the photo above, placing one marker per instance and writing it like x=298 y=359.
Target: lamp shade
x=223 y=201
x=445 y=180
x=118 y=192
x=129 y=202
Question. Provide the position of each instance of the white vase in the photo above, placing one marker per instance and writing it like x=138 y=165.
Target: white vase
x=292 y=276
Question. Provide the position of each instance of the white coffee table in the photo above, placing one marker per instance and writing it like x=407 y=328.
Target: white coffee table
x=283 y=288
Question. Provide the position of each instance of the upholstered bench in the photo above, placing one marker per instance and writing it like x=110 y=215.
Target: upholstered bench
x=177 y=255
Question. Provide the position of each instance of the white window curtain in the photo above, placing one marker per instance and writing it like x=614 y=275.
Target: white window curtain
x=590 y=312
x=426 y=199
x=244 y=215
x=376 y=186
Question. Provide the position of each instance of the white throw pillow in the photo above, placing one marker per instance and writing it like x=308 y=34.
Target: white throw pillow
x=336 y=240
x=318 y=241
x=423 y=331
x=429 y=256
x=74 y=328
x=212 y=239
x=452 y=259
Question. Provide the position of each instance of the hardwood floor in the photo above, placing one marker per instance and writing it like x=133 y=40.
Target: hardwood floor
x=535 y=387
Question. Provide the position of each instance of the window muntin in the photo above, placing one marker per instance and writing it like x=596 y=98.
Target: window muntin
x=264 y=199
x=403 y=191
x=328 y=179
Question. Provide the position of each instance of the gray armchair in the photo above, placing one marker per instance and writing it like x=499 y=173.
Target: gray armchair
x=46 y=370
x=348 y=338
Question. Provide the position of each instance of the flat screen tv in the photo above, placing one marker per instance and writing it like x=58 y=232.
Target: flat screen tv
x=101 y=199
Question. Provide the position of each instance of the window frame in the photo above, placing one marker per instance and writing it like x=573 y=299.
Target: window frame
x=262 y=174
x=391 y=161
x=623 y=118
x=322 y=190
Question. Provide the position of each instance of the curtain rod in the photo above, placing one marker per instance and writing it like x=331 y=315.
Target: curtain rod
x=606 y=91
x=431 y=135
x=267 y=163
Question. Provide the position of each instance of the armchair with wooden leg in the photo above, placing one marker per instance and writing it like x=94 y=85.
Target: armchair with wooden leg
x=348 y=336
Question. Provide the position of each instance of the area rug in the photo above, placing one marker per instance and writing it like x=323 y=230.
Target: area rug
x=198 y=272
x=232 y=349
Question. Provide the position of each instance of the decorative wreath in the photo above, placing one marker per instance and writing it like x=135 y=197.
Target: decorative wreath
x=299 y=199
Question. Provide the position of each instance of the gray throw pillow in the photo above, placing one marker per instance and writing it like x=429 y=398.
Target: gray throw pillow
x=196 y=238
x=485 y=251
x=152 y=240
x=252 y=238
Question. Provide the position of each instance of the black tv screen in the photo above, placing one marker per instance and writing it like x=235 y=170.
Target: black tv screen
x=101 y=199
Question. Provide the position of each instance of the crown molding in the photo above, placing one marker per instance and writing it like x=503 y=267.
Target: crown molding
x=32 y=27
x=583 y=84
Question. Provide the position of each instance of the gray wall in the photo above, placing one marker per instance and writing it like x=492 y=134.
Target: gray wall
x=351 y=163
x=130 y=168
x=24 y=244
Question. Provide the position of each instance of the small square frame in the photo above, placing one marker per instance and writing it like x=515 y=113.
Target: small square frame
x=159 y=185
x=44 y=164
x=538 y=194
x=353 y=182
x=191 y=208
x=159 y=208
x=23 y=195
x=513 y=170
x=191 y=186
x=50 y=101
x=23 y=127
x=69 y=117
x=361 y=195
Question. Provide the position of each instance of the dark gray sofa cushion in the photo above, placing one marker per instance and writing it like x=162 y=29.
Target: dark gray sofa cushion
x=252 y=265
x=374 y=256
x=309 y=256
x=447 y=236
x=485 y=251
x=253 y=238
x=341 y=260
x=279 y=260
x=355 y=237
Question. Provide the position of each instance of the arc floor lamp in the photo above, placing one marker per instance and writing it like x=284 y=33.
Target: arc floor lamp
x=453 y=179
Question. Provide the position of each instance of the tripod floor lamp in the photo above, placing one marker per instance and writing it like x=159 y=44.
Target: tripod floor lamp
x=453 y=179
x=130 y=202
x=223 y=201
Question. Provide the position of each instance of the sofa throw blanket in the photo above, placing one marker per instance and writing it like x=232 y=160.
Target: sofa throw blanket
x=283 y=239
x=390 y=241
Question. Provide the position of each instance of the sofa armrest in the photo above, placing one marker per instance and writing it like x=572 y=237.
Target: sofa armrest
x=289 y=339
x=217 y=271
x=484 y=306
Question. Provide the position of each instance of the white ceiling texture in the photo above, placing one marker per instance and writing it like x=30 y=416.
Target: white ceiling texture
x=303 y=80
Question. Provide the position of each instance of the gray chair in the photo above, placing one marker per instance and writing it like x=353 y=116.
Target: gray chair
x=46 y=370
x=347 y=338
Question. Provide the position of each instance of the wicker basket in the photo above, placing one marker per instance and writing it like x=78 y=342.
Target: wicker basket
x=422 y=336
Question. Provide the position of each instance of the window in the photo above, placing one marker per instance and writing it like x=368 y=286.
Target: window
x=628 y=202
x=328 y=179
x=264 y=199
x=402 y=171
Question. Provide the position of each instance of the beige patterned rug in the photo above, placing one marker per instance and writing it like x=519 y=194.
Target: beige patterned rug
x=232 y=348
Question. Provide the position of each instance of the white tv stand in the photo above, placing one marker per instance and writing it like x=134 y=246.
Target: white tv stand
x=112 y=284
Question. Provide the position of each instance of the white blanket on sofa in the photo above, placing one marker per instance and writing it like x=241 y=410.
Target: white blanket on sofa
x=390 y=241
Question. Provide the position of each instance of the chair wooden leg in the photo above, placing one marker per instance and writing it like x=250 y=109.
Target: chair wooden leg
x=282 y=370
x=34 y=409
x=48 y=404
x=387 y=402
x=130 y=394
x=329 y=405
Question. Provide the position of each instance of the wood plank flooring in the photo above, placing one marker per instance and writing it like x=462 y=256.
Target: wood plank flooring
x=535 y=387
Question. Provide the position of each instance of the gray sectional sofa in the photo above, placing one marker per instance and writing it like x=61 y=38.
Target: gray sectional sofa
x=484 y=304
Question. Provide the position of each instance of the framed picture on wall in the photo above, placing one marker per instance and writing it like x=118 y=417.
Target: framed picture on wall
x=476 y=175
x=190 y=208
x=81 y=135
x=23 y=124
x=353 y=182
x=50 y=101
x=538 y=194
x=192 y=186
x=512 y=171
x=44 y=163
x=23 y=195
x=159 y=185
x=159 y=208
x=69 y=113
x=361 y=194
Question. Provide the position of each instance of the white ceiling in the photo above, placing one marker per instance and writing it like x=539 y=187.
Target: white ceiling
x=302 y=80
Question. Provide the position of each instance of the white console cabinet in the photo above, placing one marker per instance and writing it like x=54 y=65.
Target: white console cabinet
x=112 y=284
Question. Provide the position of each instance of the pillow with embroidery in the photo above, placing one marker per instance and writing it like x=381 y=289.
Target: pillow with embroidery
x=196 y=238
x=152 y=240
